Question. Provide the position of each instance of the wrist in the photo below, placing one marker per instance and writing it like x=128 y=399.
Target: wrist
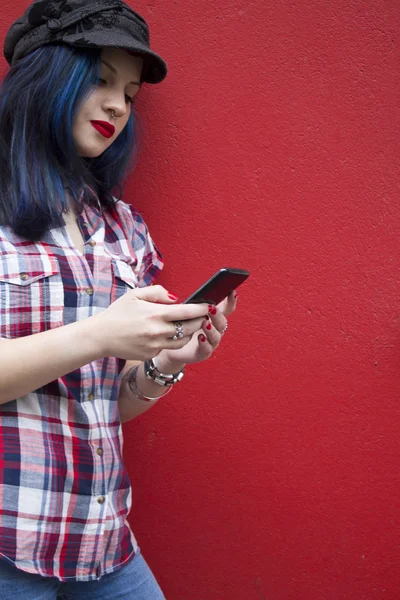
x=166 y=364
x=92 y=334
x=140 y=387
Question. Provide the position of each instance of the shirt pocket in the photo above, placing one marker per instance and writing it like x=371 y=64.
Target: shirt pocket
x=31 y=294
x=124 y=278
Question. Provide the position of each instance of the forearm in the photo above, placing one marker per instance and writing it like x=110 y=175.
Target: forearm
x=130 y=406
x=31 y=362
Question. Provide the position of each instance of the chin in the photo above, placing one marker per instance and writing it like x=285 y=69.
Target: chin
x=90 y=152
x=90 y=146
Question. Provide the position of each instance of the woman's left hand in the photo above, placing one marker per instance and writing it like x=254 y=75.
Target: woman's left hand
x=205 y=341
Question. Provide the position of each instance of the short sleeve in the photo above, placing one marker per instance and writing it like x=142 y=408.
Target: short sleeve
x=149 y=259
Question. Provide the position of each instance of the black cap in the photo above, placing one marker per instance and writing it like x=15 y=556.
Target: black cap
x=84 y=24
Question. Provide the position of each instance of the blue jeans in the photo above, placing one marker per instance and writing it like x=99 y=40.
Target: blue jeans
x=133 y=581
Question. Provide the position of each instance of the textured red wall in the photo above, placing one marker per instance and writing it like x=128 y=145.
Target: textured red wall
x=272 y=472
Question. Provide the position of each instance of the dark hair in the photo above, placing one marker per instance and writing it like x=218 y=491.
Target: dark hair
x=39 y=99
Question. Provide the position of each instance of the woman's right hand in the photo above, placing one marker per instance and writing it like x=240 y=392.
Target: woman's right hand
x=140 y=324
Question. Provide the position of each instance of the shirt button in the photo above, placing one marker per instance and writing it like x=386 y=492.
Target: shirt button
x=91 y=397
x=90 y=291
x=24 y=276
x=100 y=451
x=92 y=243
x=101 y=499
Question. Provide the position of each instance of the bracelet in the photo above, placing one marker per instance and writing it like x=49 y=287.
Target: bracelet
x=132 y=382
x=163 y=379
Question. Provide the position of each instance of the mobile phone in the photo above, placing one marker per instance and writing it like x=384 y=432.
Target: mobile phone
x=219 y=286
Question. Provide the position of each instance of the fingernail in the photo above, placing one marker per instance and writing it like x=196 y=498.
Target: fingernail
x=172 y=297
x=208 y=326
x=203 y=338
x=214 y=311
x=210 y=308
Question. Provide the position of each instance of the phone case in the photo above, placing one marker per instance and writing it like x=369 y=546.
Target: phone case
x=219 y=286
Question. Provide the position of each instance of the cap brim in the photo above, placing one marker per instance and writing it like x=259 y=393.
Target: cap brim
x=154 y=70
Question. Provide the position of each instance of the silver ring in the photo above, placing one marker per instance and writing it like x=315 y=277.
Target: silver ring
x=224 y=330
x=179 y=331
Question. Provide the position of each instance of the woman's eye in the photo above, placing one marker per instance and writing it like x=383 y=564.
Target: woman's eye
x=128 y=98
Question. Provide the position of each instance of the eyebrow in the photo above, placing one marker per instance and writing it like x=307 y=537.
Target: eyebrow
x=115 y=71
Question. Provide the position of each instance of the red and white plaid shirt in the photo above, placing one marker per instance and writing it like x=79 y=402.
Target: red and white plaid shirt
x=64 y=490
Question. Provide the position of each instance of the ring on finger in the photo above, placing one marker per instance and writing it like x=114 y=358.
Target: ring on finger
x=224 y=330
x=179 y=331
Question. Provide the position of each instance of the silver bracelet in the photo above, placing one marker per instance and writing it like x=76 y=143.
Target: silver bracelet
x=164 y=379
x=132 y=382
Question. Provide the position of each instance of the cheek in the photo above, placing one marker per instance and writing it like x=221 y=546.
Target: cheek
x=86 y=108
x=80 y=116
x=123 y=123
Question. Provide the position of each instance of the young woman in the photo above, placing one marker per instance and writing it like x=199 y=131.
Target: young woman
x=85 y=342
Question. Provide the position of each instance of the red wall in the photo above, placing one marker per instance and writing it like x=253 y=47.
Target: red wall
x=272 y=472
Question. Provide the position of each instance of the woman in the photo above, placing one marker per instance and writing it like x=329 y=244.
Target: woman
x=86 y=342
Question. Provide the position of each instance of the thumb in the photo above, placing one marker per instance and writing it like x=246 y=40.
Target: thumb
x=155 y=293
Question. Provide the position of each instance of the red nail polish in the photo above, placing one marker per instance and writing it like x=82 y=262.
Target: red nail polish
x=172 y=297
x=209 y=326
x=214 y=311
x=203 y=338
x=210 y=308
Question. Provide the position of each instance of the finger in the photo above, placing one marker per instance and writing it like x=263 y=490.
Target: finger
x=188 y=327
x=228 y=306
x=155 y=293
x=170 y=344
x=185 y=312
x=218 y=319
x=205 y=348
x=213 y=336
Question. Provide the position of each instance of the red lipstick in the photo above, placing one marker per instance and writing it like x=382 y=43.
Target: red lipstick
x=103 y=127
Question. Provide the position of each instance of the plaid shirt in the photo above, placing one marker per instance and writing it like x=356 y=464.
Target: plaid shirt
x=64 y=490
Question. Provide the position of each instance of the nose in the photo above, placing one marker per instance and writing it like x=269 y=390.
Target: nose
x=116 y=104
x=115 y=111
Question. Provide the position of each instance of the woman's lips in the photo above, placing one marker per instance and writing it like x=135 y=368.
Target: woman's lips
x=106 y=129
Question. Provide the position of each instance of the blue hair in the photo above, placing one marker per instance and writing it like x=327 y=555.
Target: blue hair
x=39 y=99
